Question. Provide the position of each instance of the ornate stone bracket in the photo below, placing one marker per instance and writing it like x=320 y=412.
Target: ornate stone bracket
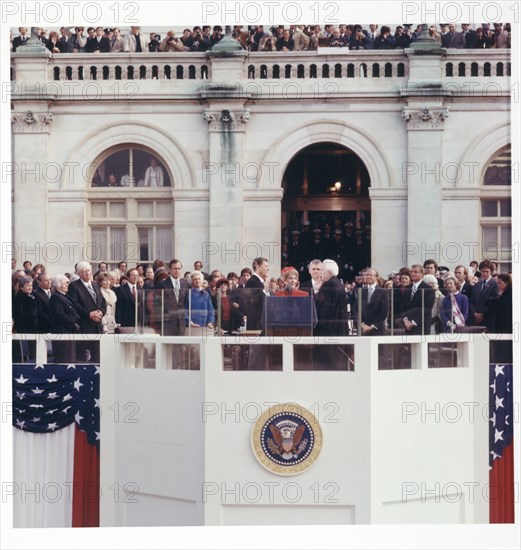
x=225 y=120
x=30 y=122
x=425 y=119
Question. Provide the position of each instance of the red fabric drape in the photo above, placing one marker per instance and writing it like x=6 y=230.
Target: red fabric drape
x=86 y=492
x=501 y=479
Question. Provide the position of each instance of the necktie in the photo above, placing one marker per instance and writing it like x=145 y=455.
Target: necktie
x=48 y=292
x=483 y=285
x=91 y=291
x=365 y=295
x=413 y=291
x=176 y=288
x=138 y=44
x=134 y=291
x=370 y=291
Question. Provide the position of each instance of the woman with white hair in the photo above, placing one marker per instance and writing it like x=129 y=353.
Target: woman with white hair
x=64 y=320
x=438 y=299
x=454 y=307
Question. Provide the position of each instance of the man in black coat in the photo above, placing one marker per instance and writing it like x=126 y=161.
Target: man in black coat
x=43 y=296
x=331 y=304
x=174 y=291
x=417 y=301
x=484 y=292
x=253 y=304
x=371 y=306
x=21 y=39
x=127 y=295
x=98 y=42
x=91 y=307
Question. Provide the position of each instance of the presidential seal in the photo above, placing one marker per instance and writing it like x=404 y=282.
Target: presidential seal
x=286 y=439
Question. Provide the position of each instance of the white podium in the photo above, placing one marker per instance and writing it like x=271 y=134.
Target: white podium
x=399 y=446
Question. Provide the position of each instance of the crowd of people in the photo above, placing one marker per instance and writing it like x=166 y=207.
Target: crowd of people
x=417 y=300
x=258 y=39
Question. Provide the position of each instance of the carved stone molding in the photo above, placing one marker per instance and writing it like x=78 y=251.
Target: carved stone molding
x=225 y=120
x=30 y=122
x=425 y=119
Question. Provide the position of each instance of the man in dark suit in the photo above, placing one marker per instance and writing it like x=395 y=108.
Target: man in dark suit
x=371 y=305
x=127 y=295
x=418 y=301
x=21 y=39
x=174 y=290
x=312 y=286
x=43 y=293
x=484 y=292
x=91 y=306
x=331 y=304
x=253 y=304
x=453 y=39
x=98 y=42
x=470 y=36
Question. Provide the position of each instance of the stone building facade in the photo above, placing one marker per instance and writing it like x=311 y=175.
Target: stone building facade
x=430 y=129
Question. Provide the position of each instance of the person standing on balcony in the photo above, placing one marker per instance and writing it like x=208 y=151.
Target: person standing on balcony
x=469 y=35
x=453 y=39
x=116 y=41
x=79 y=41
x=97 y=43
x=384 y=41
x=171 y=43
x=21 y=39
x=134 y=41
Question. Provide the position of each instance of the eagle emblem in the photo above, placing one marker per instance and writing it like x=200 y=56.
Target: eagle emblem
x=287 y=439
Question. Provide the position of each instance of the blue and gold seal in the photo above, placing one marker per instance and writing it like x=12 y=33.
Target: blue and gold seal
x=286 y=439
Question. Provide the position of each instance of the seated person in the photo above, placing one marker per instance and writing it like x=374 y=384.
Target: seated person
x=454 y=308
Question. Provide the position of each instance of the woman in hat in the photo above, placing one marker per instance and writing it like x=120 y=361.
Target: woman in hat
x=230 y=318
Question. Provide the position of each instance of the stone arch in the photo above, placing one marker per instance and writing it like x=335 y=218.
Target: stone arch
x=294 y=140
x=96 y=143
x=479 y=153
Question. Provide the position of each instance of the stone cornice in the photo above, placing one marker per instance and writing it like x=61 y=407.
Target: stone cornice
x=263 y=194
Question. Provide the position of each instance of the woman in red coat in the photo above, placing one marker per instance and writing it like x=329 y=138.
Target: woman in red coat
x=290 y=277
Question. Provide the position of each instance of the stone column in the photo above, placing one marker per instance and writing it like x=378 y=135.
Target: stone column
x=424 y=185
x=31 y=120
x=226 y=128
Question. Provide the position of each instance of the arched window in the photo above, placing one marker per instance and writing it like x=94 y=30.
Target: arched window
x=129 y=167
x=125 y=225
x=496 y=210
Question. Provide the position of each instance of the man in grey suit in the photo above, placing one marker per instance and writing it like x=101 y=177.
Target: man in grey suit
x=453 y=39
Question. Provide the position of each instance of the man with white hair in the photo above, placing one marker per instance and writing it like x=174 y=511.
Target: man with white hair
x=91 y=306
x=331 y=304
